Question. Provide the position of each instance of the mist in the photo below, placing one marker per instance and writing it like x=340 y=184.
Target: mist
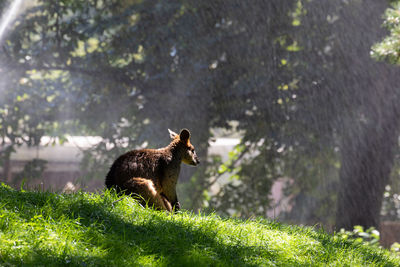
x=291 y=117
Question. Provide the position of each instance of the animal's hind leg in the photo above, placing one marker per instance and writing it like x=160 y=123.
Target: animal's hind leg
x=147 y=193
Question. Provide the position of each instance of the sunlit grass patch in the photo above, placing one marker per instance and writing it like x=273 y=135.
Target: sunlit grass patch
x=84 y=229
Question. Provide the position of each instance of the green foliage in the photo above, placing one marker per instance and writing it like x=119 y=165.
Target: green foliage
x=359 y=235
x=391 y=205
x=395 y=247
x=389 y=48
x=42 y=228
x=103 y=67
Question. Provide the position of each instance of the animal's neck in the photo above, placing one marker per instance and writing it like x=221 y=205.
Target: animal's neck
x=173 y=159
x=170 y=168
x=174 y=156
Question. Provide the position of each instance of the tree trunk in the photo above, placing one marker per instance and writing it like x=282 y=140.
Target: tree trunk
x=367 y=159
x=369 y=129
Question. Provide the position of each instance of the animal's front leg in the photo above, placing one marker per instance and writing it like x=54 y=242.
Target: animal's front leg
x=176 y=206
x=175 y=203
x=166 y=202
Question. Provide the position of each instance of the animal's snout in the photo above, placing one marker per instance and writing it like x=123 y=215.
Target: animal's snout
x=195 y=161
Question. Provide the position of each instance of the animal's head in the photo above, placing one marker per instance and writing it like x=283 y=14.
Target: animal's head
x=189 y=155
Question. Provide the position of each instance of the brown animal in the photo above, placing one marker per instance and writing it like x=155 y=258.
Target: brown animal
x=152 y=174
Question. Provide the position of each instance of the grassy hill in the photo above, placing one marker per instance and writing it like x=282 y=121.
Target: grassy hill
x=81 y=229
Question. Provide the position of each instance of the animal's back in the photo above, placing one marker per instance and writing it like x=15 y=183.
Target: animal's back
x=144 y=163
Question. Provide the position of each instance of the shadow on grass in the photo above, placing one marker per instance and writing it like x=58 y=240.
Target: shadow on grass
x=149 y=237
x=153 y=236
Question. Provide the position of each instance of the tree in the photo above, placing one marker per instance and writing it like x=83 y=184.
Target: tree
x=367 y=159
x=340 y=114
x=142 y=66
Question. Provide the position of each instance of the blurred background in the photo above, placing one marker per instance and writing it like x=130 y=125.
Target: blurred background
x=293 y=105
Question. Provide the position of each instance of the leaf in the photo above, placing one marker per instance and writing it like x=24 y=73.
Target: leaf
x=222 y=169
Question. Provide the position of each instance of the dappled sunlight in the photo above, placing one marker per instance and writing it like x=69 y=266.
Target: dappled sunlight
x=96 y=229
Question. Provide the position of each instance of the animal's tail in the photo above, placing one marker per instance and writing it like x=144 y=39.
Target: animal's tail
x=110 y=178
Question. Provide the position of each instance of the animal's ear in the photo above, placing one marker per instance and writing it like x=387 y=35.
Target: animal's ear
x=184 y=135
x=172 y=134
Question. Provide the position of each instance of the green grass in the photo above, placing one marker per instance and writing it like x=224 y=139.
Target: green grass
x=82 y=229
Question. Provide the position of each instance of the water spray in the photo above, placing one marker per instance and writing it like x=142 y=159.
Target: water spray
x=8 y=15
